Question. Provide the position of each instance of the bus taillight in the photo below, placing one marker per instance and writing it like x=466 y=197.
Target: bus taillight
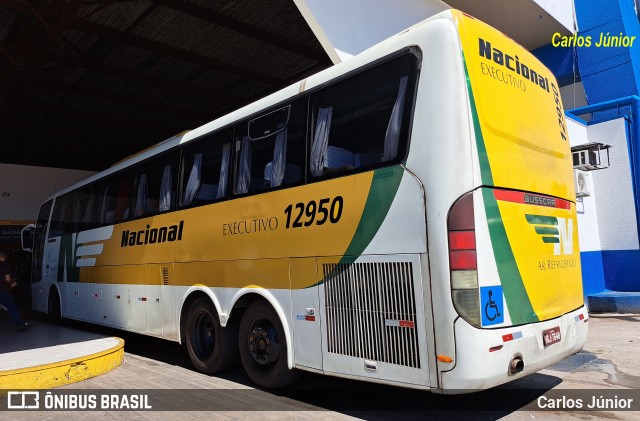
x=463 y=261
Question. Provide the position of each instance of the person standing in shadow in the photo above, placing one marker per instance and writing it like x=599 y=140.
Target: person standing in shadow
x=6 y=297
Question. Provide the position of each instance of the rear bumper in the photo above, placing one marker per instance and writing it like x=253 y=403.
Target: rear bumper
x=476 y=367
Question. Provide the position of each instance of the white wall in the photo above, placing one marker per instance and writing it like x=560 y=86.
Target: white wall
x=588 y=232
x=573 y=96
x=346 y=28
x=613 y=225
x=24 y=188
x=616 y=209
x=561 y=10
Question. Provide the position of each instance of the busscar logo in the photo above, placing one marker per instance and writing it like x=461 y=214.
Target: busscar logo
x=533 y=199
x=556 y=231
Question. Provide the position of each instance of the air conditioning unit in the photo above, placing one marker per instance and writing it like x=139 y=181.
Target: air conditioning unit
x=582 y=183
x=585 y=158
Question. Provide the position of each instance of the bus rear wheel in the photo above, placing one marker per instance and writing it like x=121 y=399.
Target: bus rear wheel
x=263 y=347
x=211 y=347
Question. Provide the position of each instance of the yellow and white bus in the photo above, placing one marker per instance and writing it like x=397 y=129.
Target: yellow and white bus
x=406 y=217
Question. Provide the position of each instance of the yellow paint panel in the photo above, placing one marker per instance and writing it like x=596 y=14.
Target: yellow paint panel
x=153 y=274
x=128 y=274
x=100 y=274
x=522 y=121
x=303 y=272
x=265 y=273
x=84 y=275
x=247 y=228
x=550 y=271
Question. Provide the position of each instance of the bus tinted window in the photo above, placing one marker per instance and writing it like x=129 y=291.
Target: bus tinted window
x=39 y=241
x=154 y=188
x=114 y=197
x=362 y=121
x=83 y=209
x=269 y=124
x=61 y=220
x=271 y=160
x=206 y=170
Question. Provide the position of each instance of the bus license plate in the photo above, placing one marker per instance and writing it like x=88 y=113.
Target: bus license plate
x=551 y=336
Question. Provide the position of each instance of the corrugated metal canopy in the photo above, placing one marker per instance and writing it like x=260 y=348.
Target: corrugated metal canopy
x=84 y=83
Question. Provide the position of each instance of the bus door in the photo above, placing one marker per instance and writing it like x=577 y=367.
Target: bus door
x=307 y=340
x=38 y=261
x=130 y=311
x=160 y=303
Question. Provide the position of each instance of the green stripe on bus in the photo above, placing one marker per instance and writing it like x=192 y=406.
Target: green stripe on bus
x=547 y=230
x=515 y=294
x=541 y=220
x=485 y=167
x=516 y=297
x=384 y=187
x=550 y=240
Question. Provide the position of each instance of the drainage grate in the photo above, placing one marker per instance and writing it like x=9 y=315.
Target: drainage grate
x=371 y=312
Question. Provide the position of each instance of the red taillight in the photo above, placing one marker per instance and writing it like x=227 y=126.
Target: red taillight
x=462 y=235
x=462 y=240
x=463 y=260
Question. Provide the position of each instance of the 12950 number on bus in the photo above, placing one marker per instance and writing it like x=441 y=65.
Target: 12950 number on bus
x=312 y=212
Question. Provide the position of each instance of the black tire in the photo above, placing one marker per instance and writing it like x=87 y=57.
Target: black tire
x=53 y=306
x=211 y=347
x=263 y=347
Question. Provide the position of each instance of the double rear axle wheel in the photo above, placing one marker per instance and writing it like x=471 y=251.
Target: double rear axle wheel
x=258 y=339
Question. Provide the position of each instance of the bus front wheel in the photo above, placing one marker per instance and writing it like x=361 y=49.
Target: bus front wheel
x=211 y=347
x=263 y=347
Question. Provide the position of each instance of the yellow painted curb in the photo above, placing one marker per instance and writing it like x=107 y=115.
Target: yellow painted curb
x=64 y=372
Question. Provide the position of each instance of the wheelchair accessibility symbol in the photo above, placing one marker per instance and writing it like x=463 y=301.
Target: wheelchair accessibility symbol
x=491 y=306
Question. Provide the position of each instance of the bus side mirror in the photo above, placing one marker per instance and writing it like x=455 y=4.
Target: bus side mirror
x=26 y=237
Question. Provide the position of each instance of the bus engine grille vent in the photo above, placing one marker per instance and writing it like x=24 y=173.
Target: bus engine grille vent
x=371 y=312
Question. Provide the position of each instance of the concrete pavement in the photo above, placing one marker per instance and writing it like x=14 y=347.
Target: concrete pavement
x=608 y=362
x=49 y=355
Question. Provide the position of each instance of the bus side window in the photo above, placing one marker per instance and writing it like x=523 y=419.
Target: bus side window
x=82 y=209
x=141 y=194
x=61 y=221
x=166 y=198
x=160 y=174
x=109 y=195
x=121 y=211
x=206 y=170
x=271 y=149
x=360 y=123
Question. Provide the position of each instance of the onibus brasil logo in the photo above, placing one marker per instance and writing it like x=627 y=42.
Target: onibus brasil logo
x=556 y=231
